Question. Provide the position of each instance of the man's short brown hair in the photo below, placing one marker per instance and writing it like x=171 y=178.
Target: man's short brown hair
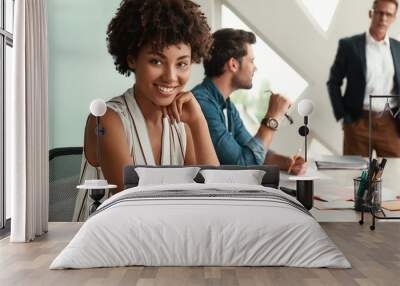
x=227 y=43
x=391 y=1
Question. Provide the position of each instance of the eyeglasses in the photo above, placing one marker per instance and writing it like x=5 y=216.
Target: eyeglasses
x=382 y=14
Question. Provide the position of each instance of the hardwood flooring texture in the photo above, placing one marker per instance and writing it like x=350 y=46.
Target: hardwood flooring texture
x=374 y=255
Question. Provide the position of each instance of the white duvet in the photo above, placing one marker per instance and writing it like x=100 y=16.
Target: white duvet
x=184 y=230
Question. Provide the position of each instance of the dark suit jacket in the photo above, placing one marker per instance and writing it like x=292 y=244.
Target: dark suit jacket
x=350 y=63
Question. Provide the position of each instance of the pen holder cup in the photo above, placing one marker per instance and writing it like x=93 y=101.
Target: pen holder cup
x=365 y=199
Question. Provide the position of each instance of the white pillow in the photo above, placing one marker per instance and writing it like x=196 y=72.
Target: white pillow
x=165 y=176
x=248 y=177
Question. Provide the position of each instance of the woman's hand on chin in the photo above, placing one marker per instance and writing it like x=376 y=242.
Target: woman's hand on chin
x=185 y=108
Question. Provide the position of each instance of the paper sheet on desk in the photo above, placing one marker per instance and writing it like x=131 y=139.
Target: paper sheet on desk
x=312 y=173
x=341 y=162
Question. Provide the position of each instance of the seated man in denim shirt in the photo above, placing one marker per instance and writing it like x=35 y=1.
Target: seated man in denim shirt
x=231 y=67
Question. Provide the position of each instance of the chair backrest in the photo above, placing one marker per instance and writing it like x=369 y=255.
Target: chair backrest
x=64 y=170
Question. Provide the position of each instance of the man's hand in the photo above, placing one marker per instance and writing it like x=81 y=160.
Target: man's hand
x=278 y=105
x=297 y=166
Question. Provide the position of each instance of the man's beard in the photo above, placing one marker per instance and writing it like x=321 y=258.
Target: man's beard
x=241 y=84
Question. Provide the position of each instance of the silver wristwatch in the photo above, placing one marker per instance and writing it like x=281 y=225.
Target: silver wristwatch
x=270 y=122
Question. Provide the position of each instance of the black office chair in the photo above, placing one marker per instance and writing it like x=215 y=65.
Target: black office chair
x=64 y=169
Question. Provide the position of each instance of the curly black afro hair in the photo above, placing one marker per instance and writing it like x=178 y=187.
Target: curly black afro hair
x=160 y=23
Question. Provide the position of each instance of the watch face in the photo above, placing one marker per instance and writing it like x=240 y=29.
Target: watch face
x=273 y=123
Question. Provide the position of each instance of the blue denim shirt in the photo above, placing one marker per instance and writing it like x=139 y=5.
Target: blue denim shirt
x=232 y=142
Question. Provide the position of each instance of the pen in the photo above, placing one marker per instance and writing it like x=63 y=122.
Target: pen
x=371 y=170
x=371 y=174
x=361 y=188
x=289 y=118
x=318 y=198
x=295 y=156
x=382 y=164
x=379 y=173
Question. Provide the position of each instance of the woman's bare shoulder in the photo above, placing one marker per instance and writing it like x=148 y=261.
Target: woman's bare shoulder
x=113 y=128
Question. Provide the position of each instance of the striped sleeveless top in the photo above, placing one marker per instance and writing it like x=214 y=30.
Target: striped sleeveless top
x=173 y=148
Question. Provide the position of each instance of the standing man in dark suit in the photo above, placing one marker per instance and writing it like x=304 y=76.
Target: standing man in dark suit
x=371 y=64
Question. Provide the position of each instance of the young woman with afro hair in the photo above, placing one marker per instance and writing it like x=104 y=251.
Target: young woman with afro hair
x=156 y=122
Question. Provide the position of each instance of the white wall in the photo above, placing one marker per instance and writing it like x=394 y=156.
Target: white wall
x=80 y=68
x=296 y=37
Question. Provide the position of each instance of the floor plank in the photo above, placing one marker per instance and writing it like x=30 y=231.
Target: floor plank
x=374 y=255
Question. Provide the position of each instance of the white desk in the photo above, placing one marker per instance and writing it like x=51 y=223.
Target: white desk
x=344 y=178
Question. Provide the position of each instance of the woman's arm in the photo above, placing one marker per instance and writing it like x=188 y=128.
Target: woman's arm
x=185 y=108
x=203 y=147
x=114 y=149
x=196 y=153
x=190 y=156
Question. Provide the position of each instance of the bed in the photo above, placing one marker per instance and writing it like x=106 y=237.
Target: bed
x=201 y=224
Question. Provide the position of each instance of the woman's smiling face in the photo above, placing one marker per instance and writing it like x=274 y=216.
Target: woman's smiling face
x=160 y=76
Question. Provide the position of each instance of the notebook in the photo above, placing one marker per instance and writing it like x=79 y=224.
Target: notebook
x=341 y=162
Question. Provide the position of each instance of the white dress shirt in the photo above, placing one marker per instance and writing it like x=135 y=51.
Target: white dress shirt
x=380 y=72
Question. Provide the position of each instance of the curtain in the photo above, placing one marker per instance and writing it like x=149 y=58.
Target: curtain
x=27 y=151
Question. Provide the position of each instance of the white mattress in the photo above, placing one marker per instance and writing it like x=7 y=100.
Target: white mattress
x=185 y=230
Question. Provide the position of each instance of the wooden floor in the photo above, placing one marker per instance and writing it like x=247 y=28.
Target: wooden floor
x=374 y=255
